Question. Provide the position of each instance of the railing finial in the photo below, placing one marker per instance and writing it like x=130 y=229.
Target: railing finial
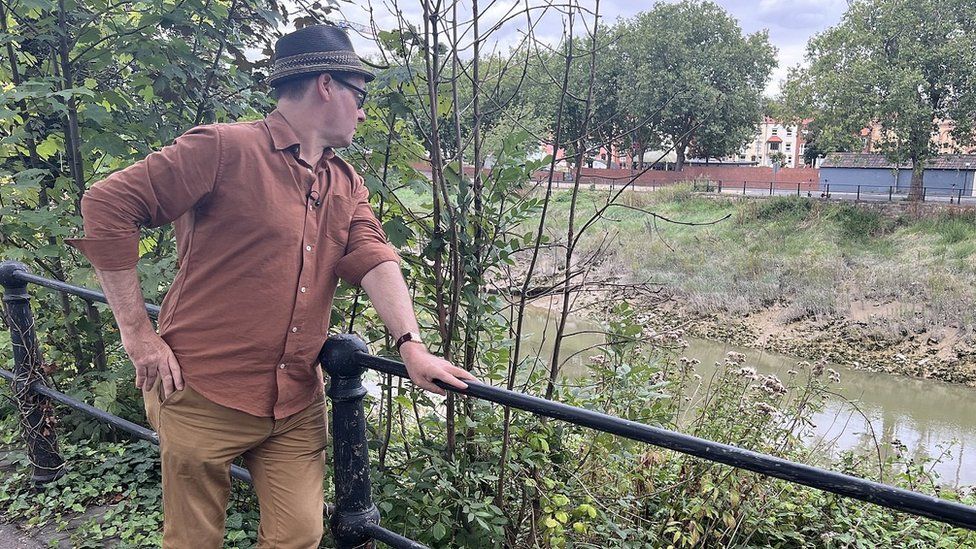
x=8 y=271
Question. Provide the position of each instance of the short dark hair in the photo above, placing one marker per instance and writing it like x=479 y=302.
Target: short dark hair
x=293 y=88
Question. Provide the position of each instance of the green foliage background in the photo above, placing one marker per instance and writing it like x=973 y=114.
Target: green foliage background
x=89 y=88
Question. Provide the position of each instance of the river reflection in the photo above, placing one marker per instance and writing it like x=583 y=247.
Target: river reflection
x=931 y=418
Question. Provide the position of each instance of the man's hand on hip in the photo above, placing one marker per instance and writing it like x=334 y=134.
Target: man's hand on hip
x=152 y=357
x=425 y=367
x=149 y=353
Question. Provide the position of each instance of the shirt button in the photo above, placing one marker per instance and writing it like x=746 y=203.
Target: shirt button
x=308 y=248
x=304 y=289
x=281 y=366
x=294 y=329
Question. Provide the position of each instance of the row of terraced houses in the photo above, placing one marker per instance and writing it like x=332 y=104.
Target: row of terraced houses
x=774 y=141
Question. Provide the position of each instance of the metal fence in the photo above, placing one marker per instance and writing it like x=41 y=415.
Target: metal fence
x=808 y=189
x=354 y=518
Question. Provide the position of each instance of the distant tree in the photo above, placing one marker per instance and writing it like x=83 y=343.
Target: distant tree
x=543 y=93
x=903 y=64
x=690 y=66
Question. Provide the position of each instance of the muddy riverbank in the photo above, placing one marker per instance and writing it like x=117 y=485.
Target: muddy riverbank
x=871 y=288
x=854 y=342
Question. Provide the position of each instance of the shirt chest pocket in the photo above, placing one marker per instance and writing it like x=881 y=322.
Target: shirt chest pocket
x=337 y=220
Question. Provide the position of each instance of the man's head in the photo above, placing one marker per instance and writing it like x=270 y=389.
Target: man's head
x=316 y=71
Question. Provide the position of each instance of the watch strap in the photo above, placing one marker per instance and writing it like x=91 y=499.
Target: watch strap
x=409 y=336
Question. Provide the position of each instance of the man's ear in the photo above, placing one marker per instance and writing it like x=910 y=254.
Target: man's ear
x=323 y=87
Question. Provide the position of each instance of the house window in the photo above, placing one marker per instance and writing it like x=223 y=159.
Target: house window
x=789 y=132
x=775 y=131
x=753 y=158
x=789 y=146
x=774 y=146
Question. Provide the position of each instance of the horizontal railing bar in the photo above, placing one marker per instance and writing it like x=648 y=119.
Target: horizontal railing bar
x=915 y=503
x=79 y=291
x=884 y=495
x=139 y=431
x=392 y=539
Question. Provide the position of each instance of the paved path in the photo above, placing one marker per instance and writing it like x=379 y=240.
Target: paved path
x=761 y=192
x=11 y=537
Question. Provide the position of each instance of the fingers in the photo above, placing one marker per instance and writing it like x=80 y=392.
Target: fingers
x=444 y=374
x=166 y=380
x=426 y=369
x=140 y=374
x=176 y=371
x=446 y=377
x=148 y=377
x=429 y=385
x=461 y=373
x=426 y=382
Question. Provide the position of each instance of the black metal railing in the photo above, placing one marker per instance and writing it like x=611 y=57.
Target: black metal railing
x=952 y=195
x=839 y=191
x=354 y=518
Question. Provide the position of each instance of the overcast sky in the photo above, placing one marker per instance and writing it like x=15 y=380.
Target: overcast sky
x=790 y=22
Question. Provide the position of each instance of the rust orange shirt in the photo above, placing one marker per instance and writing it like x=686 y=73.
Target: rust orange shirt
x=262 y=240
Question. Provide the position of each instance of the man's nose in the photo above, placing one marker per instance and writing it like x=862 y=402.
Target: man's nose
x=361 y=115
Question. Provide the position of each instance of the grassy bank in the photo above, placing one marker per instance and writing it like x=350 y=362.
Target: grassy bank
x=871 y=288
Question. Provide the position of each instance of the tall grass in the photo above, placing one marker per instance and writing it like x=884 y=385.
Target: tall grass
x=813 y=258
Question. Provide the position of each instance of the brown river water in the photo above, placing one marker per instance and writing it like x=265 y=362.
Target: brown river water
x=930 y=418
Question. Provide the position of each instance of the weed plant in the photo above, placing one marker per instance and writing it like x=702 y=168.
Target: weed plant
x=593 y=489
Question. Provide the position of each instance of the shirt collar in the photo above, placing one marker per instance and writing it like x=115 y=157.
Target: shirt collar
x=283 y=136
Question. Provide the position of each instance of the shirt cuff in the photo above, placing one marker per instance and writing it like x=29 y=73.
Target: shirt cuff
x=354 y=265
x=109 y=254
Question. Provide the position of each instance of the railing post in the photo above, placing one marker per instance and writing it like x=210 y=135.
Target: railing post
x=858 y=199
x=354 y=507
x=719 y=186
x=770 y=188
x=36 y=412
x=891 y=192
x=797 y=189
x=743 y=187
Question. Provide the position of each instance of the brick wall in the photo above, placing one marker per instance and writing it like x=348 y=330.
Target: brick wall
x=753 y=177
x=729 y=176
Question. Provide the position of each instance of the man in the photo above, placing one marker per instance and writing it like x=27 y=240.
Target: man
x=267 y=219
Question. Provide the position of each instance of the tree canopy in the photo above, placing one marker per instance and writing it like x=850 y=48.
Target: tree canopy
x=696 y=75
x=905 y=65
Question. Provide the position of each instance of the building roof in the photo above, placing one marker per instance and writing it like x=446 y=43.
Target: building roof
x=774 y=139
x=875 y=160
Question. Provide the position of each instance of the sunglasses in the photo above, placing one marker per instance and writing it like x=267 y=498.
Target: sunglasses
x=360 y=93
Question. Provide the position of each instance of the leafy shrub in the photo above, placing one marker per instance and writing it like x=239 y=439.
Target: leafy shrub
x=780 y=208
x=855 y=223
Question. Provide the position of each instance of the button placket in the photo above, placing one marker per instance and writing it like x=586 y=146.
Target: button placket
x=299 y=311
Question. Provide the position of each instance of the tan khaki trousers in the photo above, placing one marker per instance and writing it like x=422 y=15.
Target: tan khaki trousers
x=199 y=439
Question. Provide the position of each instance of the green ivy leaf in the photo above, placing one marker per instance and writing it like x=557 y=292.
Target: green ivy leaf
x=398 y=231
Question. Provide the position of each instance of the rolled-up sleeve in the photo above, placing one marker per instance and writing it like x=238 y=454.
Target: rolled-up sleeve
x=149 y=193
x=367 y=246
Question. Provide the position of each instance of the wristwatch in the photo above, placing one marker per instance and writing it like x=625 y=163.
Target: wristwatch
x=409 y=336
